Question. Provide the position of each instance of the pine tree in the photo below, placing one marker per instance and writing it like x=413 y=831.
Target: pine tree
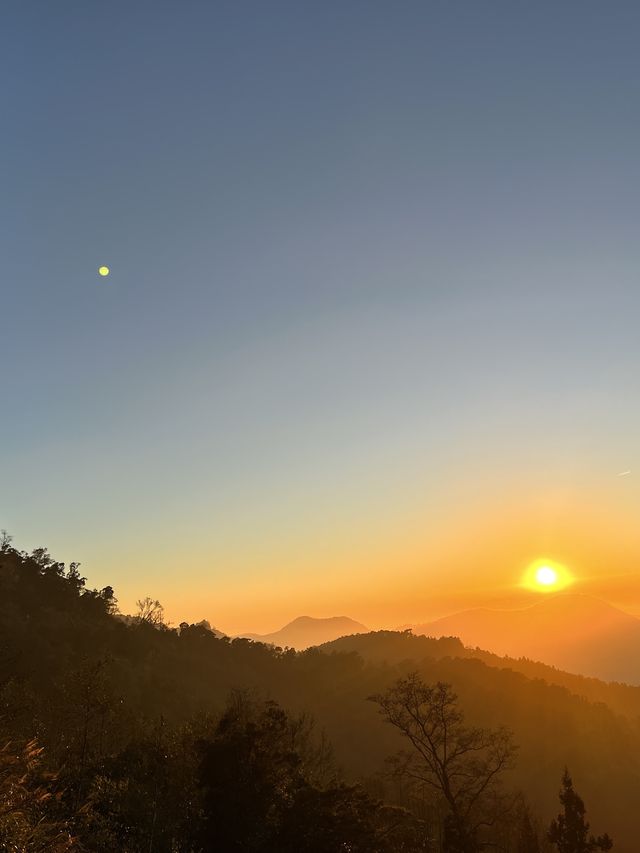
x=570 y=831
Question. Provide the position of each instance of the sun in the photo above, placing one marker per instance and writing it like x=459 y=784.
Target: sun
x=103 y=270
x=546 y=576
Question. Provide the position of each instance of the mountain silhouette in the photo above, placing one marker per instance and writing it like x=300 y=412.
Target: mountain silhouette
x=78 y=676
x=306 y=631
x=577 y=633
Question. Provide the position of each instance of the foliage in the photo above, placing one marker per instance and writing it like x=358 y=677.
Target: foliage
x=570 y=830
x=123 y=707
x=28 y=799
x=269 y=786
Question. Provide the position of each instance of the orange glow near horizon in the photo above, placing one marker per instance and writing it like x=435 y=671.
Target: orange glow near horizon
x=396 y=563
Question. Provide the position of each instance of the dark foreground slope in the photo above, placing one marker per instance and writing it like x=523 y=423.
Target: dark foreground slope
x=554 y=725
x=87 y=685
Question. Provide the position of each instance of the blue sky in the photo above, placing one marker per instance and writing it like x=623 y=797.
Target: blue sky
x=363 y=255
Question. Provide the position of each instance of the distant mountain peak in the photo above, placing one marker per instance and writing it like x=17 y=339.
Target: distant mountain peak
x=321 y=620
x=305 y=631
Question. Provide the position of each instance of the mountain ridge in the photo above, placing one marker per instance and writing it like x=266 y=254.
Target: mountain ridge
x=306 y=631
x=572 y=631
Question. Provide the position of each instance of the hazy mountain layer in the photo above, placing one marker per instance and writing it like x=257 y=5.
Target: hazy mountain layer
x=576 y=633
x=91 y=687
x=306 y=631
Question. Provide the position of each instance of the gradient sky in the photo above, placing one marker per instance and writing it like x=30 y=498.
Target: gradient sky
x=370 y=343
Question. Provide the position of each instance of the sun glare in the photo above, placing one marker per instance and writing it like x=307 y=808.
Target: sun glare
x=546 y=576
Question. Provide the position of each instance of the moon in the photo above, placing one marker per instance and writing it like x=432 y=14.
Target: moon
x=103 y=271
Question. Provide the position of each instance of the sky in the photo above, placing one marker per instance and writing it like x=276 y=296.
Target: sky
x=369 y=344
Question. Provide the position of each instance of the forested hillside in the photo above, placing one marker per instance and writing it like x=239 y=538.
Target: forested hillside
x=598 y=640
x=130 y=735
x=398 y=646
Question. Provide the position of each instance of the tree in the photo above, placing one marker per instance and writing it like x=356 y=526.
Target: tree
x=462 y=765
x=5 y=542
x=268 y=785
x=144 y=798
x=150 y=612
x=570 y=830
x=250 y=772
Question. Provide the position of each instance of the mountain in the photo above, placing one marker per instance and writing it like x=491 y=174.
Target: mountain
x=577 y=633
x=306 y=631
x=395 y=648
x=64 y=654
x=558 y=718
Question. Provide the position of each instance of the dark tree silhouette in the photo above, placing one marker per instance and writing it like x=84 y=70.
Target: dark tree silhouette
x=570 y=830
x=5 y=542
x=268 y=787
x=150 y=612
x=119 y=706
x=461 y=764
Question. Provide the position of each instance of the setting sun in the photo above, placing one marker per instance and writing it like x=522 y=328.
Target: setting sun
x=546 y=576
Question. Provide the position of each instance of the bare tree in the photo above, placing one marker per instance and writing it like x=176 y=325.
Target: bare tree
x=150 y=612
x=5 y=542
x=462 y=764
